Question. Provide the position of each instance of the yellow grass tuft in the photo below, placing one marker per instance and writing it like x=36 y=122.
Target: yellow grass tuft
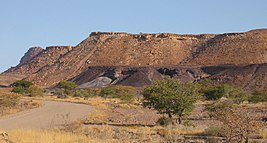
x=33 y=136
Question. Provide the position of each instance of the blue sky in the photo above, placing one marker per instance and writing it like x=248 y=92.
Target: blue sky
x=28 y=23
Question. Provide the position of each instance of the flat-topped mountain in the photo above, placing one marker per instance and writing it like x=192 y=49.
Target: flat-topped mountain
x=137 y=59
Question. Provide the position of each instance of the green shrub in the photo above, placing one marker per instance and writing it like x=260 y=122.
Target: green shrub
x=108 y=91
x=214 y=93
x=85 y=93
x=259 y=95
x=238 y=95
x=21 y=86
x=22 y=83
x=35 y=91
x=125 y=93
x=20 y=90
x=65 y=88
x=67 y=85
x=60 y=92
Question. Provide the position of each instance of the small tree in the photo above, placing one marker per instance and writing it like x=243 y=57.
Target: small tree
x=170 y=97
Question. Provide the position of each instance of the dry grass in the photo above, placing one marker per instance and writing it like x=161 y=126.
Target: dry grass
x=19 y=104
x=105 y=134
x=52 y=136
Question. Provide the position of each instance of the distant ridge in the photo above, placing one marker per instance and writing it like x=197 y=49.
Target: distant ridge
x=127 y=58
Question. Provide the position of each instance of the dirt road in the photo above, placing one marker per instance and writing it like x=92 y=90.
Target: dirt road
x=51 y=114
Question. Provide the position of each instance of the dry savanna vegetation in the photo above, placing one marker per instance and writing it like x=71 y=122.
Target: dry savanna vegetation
x=210 y=114
x=11 y=103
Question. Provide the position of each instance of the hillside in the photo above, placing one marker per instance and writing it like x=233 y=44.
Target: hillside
x=138 y=59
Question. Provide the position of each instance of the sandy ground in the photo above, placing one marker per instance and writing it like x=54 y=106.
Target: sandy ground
x=51 y=114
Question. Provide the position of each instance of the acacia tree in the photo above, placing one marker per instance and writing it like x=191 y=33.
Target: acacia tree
x=170 y=97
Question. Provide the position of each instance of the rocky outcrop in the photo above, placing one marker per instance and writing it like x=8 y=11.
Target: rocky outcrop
x=231 y=48
x=118 y=49
x=137 y=59
x=45 y=57
x=30 y=54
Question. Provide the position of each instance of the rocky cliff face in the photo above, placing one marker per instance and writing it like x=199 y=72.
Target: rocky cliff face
x=137 y=59
x=30 y=54
x=45 y=57
x=231 y=48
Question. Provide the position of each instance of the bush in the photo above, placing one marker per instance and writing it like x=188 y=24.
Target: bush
x=125 y=93
x=85 y=93
x=259 y=95
x=109 y=91
x=67 y=85
x=238 y=95
x=60 y=92
x=35 y=91
x=21 y=86
x=65 y=88
x=22 y=83
x=214 y=93
x=20 y=90
x=8 y=100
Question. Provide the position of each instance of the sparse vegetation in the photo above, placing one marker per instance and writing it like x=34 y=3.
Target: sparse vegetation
x=125 y=93
x=8 y=101
x=21 y=86
x=259 y=95
x=65 y=88
x=238 y=95
x=238 y=125
x=11 y=103
x=26 y=88
x=35 y=91
x=86 y=93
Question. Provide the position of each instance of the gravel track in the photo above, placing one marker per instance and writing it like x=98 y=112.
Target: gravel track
x=51 y=114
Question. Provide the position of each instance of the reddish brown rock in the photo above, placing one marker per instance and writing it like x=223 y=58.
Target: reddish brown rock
x=145 y=57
